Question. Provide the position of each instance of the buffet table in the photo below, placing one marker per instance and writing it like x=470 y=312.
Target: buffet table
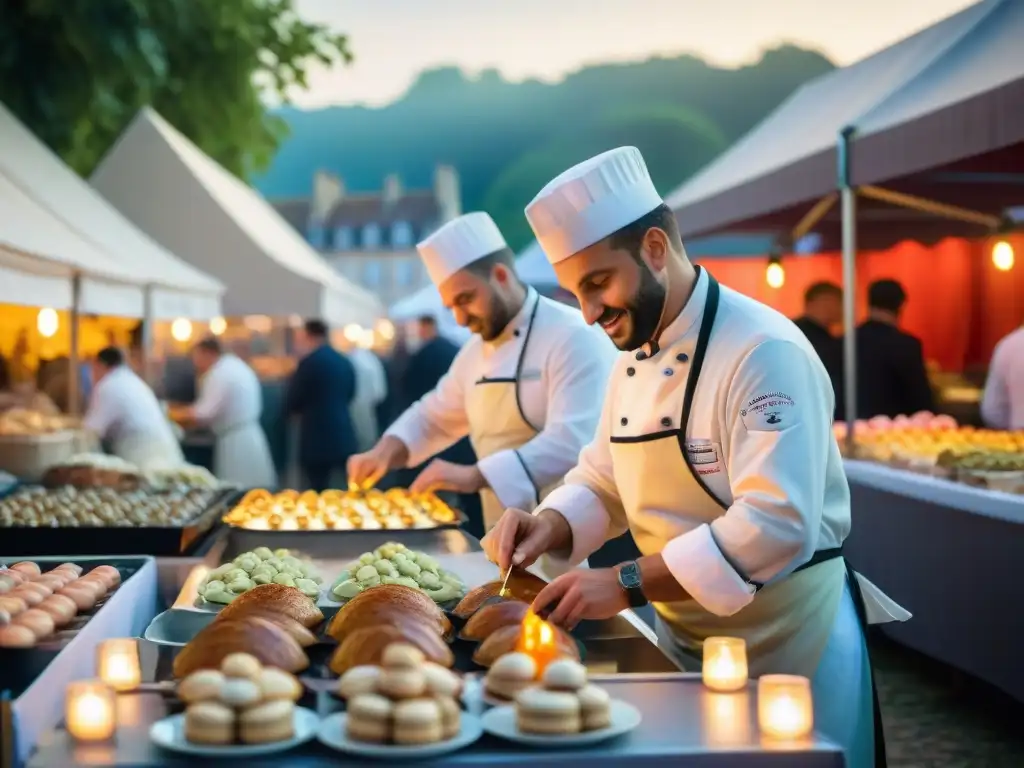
x=950 y=554
x=680 y=717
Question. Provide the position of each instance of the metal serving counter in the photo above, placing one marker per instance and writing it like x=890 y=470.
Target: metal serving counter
x=950 y=554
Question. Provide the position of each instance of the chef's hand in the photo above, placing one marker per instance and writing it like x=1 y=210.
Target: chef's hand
x=519 y=538
x=441 y=475
x=366 y=469
x=583 y=593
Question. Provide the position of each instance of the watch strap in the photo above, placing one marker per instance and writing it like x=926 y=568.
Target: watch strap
x=631 y=581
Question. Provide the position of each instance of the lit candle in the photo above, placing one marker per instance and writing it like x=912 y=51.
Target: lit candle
x=118 y=664
x=725 y=664
x=785 y=709
x=537 y=640
x=89 y=709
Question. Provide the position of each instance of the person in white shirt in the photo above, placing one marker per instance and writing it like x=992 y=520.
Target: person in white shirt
x=230 y=403
x=524 y=388
x=124 y=413
x=371 y=389
x=1002 y=405
x=715 y=449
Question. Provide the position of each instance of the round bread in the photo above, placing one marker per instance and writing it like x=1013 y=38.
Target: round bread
x=564 y=675
x=441 y=681
x=547 y=712
x=110 y=575
x=277 y=684
x=451 y=716
x=17 y=636
x=238 y=692
x=417 y=721
x=29 y=596
x=385 y=605
x=26 y=567
x=493 y=617
x=368 y=718
x=209 y=723
x=95 y=587
x=359 y=680
x=61 y=607
x=82 y=597
x=595 y=707
x=13 y=605
x=6 y=583
x=274 y=598
x=53 y=582
x=402 y=683
x=402 y=655
x=268 y=722
x=40 y=622
x=242 y=665
x=70 y=568
x=204 y=685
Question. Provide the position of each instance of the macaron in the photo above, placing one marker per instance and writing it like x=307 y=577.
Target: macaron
x=547 y=712
x=417 y=721
x=595 y=707
x=277 y=684
x=510 y=674
x=204 y=685
x=402 y=683
x=237 y=692
x=451 y=716
x=359 y=680
x=441 y=681
x=209 y=723
x=243 y=665
x=368 y=718
x=564 y=675
x=402 y=655
x=268 y=722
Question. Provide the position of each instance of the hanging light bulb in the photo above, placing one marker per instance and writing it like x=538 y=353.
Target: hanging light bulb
x=775 y=274
x=218 y=325
x=47 y=322
x=1002 y=256
x=181 y=330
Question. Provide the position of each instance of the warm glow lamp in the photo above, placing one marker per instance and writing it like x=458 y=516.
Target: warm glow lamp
x=725 y=664
x=118 y=664
x=47 y=323
x=90 y=711
x=218 y=325
x=775 y=274
x=353 y=332
x=785 y=709
x=181 y=330
x=1002 y=256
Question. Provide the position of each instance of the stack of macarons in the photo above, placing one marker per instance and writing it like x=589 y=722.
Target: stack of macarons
x=407 y=700
x=34 y=604
x=243 y=701
x=563 y=703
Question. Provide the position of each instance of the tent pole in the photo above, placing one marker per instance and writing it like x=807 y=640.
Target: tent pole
x=74 y=373
x=848 y=207
x=147 y=335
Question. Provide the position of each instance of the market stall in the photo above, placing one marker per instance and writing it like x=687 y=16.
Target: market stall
x=309 y=663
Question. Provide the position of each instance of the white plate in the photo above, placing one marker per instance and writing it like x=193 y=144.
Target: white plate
x=332 y=733
x=501 y=722
x=169 y=733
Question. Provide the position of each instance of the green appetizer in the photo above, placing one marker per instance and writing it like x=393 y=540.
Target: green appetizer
x=261 y=566
x=394 y=563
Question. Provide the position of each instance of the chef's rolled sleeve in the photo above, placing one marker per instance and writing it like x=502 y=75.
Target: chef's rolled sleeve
x=506 y=475
x=779 y=411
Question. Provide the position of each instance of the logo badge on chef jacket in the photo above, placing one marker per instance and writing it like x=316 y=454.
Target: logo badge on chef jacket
x=769 y=411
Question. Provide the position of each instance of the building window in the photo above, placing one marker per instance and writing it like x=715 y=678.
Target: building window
x=316 y=235
x=405 y=272
x=343 y=240
x=371 y=236
x=401 y=235
x=371 y=273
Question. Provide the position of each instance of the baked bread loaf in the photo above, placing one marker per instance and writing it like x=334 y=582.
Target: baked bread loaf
x=386 y=605
x=273 y=646
x=506 y=640
x=490 y=618
x=274 y=598
x=366 y=645
x=522 y=585
x=303 y=636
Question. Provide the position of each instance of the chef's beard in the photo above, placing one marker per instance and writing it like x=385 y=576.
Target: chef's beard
x=490 y=328
x=643 y=311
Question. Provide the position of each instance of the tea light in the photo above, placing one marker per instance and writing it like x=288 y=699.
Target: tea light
x=118 y=664
x=89 y=711
x=727 y=721
x=725 y=664
x=537 y=640
x=785 y=709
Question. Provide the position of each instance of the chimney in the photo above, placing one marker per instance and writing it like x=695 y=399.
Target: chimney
x=447 y=192
x=392 y=189
x=328 y=190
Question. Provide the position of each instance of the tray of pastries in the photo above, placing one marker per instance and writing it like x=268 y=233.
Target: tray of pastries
x=337 y=510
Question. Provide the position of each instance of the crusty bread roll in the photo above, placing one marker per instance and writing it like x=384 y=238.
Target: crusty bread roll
x=254 y=635
x=384 y=605
x=490 y=618
x=522 y=585
x=506 y=640
x=365 y=646
x=303 y=636
x=274 y=598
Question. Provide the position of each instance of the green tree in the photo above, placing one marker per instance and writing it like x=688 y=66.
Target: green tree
x=77 y=71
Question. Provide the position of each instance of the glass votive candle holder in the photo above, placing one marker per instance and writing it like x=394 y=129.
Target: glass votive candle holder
x=117 y=664
x=725 y=664
x=90 y=711
x=785 y=708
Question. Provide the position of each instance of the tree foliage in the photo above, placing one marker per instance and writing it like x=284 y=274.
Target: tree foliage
x=77 y=71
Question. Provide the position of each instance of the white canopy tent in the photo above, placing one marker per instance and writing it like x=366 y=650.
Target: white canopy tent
x=187 y=202
x=53 y=227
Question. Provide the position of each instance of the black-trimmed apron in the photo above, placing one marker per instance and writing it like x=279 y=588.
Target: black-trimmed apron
x=789 y=624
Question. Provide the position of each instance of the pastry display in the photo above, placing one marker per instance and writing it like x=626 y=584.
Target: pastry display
x=95 y=470
x=340 y=510
x=508 y=639
x=259 y=567
x=400 y=705
x=390 y=604
x=266 y=641
x=522 y=586
x=242 y=701
x=277 y=599
x=35 y=603
x=70 y=507
x=489 y=619
x=365 y=646
x=394 y=563
x=563 y=703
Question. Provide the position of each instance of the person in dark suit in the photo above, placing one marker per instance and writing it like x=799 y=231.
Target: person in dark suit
x=891 y=374
x=320 y=392
x=823 y=309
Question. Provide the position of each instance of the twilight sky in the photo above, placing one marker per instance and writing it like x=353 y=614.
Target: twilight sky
x=393 y=40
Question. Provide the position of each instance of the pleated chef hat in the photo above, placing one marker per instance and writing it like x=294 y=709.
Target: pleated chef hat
x=458 y=244
x=590 y=201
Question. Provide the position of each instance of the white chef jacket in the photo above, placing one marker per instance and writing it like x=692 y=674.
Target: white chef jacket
x=764 y=407
x=566 y=368
x=1002 y=406
x=122 y=405
x=229 y=395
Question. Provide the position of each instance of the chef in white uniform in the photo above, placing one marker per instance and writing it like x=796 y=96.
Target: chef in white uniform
x=714 y=448
x=125 y=414
x=230 y=403
x=526 y=388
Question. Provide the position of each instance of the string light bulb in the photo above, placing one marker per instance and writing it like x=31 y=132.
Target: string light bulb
x=775 y=274
x=218 y=325
x=47 y=322
x=181 y=330
x=1003 y=256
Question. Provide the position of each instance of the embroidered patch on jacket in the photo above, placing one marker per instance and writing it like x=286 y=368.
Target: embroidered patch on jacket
x=771 y=411
x=703 y=455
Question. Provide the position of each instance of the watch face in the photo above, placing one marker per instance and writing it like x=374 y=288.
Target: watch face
x=629 y=576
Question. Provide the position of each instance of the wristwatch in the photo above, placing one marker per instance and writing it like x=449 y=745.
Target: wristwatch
x=632 y=584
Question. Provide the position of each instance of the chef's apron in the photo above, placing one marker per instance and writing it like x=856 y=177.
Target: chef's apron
x=242 y=457
x=497 y=423
x=791 y=621
x=148 y=451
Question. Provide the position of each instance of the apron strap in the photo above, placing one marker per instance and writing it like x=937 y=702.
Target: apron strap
x=519 y=366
